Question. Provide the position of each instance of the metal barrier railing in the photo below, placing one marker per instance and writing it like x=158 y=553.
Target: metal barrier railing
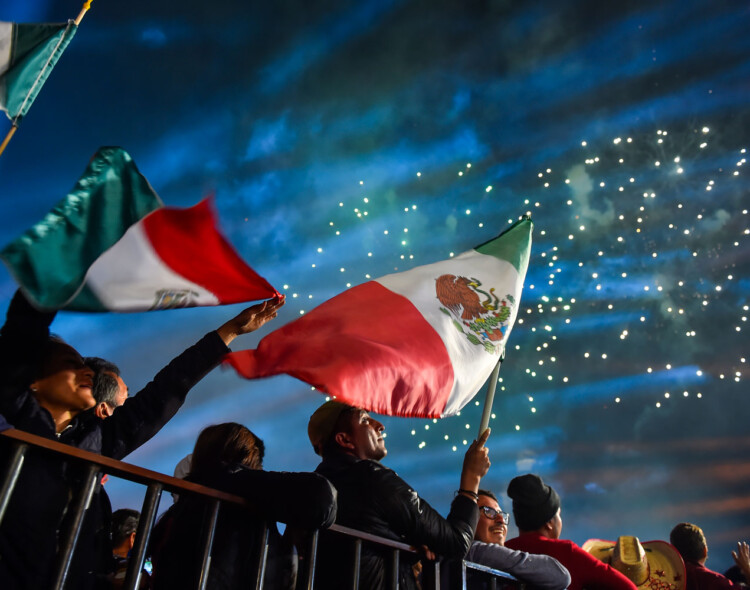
x=95 y=465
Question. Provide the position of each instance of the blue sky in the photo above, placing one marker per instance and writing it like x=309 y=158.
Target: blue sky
x=625 y=385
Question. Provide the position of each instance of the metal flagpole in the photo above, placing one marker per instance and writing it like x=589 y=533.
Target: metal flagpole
x=14 y=126
x=485 y=422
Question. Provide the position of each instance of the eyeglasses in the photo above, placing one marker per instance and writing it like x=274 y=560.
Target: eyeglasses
x=492 y=514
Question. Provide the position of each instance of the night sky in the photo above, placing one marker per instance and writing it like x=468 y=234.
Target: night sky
x=347 y=140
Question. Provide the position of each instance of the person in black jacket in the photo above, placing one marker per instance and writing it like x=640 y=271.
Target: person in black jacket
x=375 y=500
x=45 y=389
x=229 y=457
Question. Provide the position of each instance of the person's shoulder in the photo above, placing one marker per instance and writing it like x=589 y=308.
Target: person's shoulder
x=710 y=576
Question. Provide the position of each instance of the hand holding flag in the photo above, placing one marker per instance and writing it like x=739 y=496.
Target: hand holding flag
x=251 y=319
x=476 y=465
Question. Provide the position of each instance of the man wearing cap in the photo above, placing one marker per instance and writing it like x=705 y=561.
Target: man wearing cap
x=373 y=499
x=536 y=508
x=690 y=541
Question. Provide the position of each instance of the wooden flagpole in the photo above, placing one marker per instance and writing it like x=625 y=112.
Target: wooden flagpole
x=14 y=126
x=6 y=141
x=84 y=10
x=485 y=422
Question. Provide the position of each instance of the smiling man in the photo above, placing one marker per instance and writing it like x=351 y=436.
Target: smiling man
x=375 y=500
x=539 y=571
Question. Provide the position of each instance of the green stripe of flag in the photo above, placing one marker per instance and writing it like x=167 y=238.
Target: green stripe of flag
x=30 y=53
x=51 y=259
x=515 y=247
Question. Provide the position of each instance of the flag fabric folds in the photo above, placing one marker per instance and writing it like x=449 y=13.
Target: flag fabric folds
x=28 y=52
x=110 y=244
x=419 y=343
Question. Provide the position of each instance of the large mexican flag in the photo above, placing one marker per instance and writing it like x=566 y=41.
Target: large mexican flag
x=418 y=343
x=28 y=52
x=110 y=244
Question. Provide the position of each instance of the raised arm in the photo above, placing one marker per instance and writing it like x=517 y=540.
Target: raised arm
x=250 y=319
x=145 y=413
x=541 y=571
x=742 y=559
x=476 y=465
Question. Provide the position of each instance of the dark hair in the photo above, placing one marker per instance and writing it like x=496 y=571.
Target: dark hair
x=106 y=386
x=228 y=443
x=343 y=424
x=34 y=369
x=124 y=524
x=489 y=494
x=689 y=540
x=100 y=365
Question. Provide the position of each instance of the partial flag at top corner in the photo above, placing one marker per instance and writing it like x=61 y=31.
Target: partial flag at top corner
x=28 y=53
x=110 y=244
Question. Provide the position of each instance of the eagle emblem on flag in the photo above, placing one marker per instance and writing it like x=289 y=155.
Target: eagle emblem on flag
x=478 y=314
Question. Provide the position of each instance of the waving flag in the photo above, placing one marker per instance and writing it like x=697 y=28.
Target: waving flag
x=111 y=245
x=419 y=343
x=27 y=55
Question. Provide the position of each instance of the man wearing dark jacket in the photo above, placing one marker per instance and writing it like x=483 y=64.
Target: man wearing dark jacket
x=45 y=389
x=375 y=500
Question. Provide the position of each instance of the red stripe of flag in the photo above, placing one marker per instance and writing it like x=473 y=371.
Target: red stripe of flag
x=348 y=348
x=189 y=242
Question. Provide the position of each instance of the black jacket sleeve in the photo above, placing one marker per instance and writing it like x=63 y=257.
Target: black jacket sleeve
x=144 y=414
x=22 y=339
x=417 y=522
x=305 y=500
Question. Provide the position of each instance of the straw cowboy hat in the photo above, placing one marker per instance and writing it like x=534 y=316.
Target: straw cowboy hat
x=654 y=565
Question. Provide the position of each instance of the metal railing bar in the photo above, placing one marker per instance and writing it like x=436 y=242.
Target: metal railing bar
x=67 y=546
x=123 y=470
x=156 y=481
x=312 y=556
x=142 y=536
x=357 y=563
x=488 y=570
x=208 y=543
x=394 y=568
x=262 y=558
x=369 y=537
x=11 y=477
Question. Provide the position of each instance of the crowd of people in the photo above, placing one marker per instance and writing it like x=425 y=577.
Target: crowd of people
x=49 y=390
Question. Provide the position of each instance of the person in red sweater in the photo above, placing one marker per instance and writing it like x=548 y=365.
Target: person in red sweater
x=690 y=541
x=536 y=509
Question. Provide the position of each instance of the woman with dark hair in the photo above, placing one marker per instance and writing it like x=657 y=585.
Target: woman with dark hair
x=229 y=457
x=46 y=389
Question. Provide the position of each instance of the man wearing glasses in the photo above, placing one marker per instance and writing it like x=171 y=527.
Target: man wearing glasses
x=540 y=571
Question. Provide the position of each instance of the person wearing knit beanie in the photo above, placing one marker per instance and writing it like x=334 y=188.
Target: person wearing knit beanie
x=534 y=502
x=536 y=510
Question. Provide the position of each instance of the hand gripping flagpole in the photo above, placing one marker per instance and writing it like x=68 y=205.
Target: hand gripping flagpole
x=492 y=385
x=14 y=126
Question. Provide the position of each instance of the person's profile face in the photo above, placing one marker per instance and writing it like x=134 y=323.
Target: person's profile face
x=366 y=436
